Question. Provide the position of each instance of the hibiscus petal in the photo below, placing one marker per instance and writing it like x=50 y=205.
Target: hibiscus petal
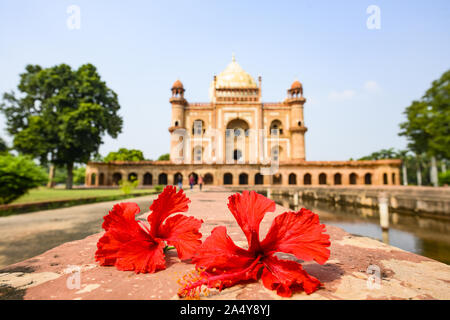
x=122 y=228
x=141 y=256
x=126 y=209
x=182 y=232
x=168 y=202
x=287 y=276
x=219 y=253
x=299 y=233
x=249 y=209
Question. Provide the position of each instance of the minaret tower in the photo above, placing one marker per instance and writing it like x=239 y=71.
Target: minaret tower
x=178 y=103
x=297 y=128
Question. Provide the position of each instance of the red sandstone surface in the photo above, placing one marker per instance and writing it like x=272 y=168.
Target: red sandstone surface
x=403 y=275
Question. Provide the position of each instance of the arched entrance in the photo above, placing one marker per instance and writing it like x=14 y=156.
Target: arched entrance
x=101 y=179
x=243 y=178
x=162 y=179
x=148 y=179
x=259 y=178
x=337 y=179
x=322 y=178
x=227 y=178
x=368 y=178
x=353 y=178
x=117 y=177
x=195 y=177
x=307 y=179
x=177 y=177
x=292 y=178
x=208 y=178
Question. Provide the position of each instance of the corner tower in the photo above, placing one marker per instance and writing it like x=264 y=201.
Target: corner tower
x=297 y=127
x=178 y=117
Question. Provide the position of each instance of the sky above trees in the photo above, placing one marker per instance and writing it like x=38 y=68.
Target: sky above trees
x=357 y=81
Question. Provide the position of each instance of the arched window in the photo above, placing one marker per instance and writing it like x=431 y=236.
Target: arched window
x=117 y=177
x=353 y=178
x=148 y=179
x=93 y=178
x=307 y=179
x=237 y=155
x=177 y=177
x=276 y=126
x=132 y=176
x=337 y=178
x=259 y=179
x=208 y=178
x=243 y=178
x=277 y=179
x=292 y=178
x=101 y=179
x=393 y=178
x=162 y=179
x=385 y=178
x=198 y=127
x=368 y=178
x=227 y=178
x=235 y=135
x=322 y=178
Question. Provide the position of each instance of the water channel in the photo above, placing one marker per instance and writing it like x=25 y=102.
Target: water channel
x=425 y=236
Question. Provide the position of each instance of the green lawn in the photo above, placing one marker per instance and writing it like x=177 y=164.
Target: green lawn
x=45 y=194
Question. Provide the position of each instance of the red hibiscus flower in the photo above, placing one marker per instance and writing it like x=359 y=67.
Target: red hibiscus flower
x=132 y=245
x=220 y=263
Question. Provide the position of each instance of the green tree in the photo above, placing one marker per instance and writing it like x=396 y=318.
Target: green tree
x=3 y=145
x=382 y=154
x=164 y=157
x=61 y=115
x=125 y=155
x=18 y=174
x=427 y=127
x=79 y=175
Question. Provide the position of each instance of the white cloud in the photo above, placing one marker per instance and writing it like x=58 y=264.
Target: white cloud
x=341 y=95
x=371 y=86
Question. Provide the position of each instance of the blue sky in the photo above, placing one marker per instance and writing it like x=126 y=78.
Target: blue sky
x=357 y=81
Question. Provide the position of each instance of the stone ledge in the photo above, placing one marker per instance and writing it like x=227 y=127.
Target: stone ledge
x=404 y=275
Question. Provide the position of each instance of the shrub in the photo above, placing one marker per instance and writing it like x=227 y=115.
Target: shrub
x=159 y=188
x=444 y=178
x=79 y=175
x=18 y=174
x=127 y=186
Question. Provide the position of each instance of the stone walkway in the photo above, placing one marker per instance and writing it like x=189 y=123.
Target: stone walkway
x=403 y=275
x=23 y=236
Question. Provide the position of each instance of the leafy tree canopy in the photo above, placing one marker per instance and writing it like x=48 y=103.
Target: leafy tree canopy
x=61 y=115
x=3 y=146
x=125 y=155
x=427 y=127
x=18 y=174
x=165 y=156
x=382 y=154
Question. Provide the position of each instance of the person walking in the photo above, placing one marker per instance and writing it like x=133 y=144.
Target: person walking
x=191 y=181
x=200 y=182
